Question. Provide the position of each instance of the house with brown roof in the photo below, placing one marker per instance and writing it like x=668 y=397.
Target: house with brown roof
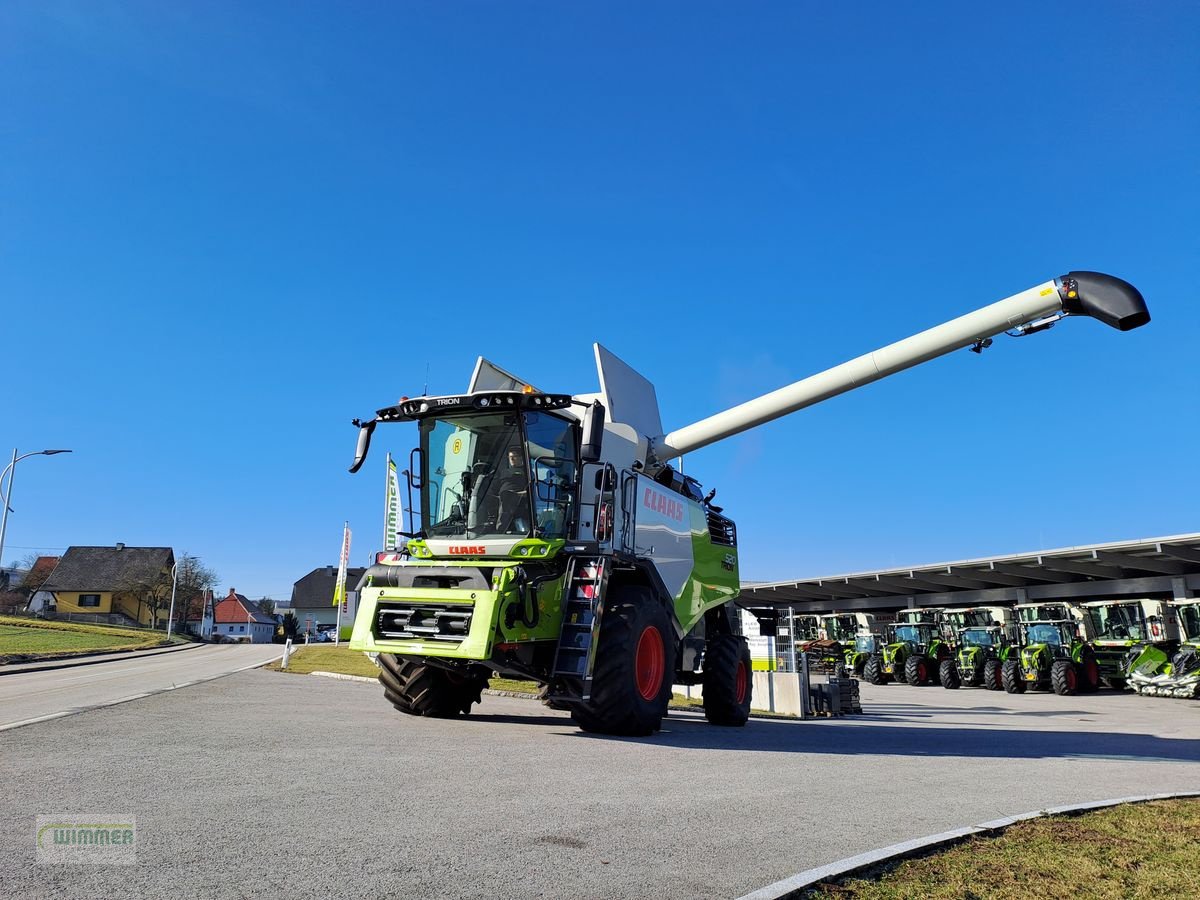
x=119 y=584
x=312 y=599
x=237 y=618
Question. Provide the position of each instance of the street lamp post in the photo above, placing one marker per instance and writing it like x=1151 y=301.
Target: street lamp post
x=6 y=496
x=174 y=581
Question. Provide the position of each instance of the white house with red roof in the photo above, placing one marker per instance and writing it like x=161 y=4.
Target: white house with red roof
x=236 y=618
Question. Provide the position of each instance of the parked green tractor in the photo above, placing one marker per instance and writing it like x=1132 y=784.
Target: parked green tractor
x=1050 y=656
x=979 y=658
x=914 y=651
x=857 y=656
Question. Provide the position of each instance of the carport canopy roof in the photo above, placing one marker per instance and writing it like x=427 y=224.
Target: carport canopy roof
x=1146 y=561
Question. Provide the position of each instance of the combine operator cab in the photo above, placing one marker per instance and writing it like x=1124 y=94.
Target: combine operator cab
x=1050 y=656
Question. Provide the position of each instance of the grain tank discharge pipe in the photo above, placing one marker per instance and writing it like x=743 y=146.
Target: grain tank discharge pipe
x=1111 y=300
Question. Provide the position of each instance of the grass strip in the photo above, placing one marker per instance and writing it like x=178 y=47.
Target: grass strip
x=1135 y=850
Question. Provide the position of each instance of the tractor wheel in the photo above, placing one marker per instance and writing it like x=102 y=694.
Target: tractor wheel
x=419 y=689
x=728 y=680
x=1117 y=684
x=634 y=670
x=873 y=671
x=991 y=675
x=916 y=671
x=948 y=674
x=1064 y=677
x=1010 y=677
x=1089 y=673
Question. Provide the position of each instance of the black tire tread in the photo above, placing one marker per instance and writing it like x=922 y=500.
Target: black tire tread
x=721 y=657
x=1010 y=675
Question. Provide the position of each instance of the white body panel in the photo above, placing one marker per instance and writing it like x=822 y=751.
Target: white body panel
x=664 y=531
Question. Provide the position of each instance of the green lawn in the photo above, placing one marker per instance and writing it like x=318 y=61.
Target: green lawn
x=30 y=639
x=1137 y=850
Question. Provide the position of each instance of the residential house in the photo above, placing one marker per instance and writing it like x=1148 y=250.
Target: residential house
x=237 y=618
x=31 y=585
x=121 y=585
x=312 y=598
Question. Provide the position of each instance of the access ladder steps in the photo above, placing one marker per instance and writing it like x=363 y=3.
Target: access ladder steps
x=587 y=582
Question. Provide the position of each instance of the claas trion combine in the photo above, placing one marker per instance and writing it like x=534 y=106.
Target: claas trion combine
x=557 y=542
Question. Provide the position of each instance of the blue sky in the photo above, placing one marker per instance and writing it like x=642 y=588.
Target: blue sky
x=228 y=228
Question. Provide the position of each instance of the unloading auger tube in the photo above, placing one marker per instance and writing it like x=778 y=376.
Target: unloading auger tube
x=1111 y=300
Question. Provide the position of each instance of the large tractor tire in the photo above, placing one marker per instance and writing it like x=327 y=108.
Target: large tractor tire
x=991 y=675
x=1010 y=677
x=948 y=675
x=1064 y=678
x=728 y=680
x=634 y=669
x=1089 y=673
x=916 y=671
x=873 y=671
x=419 y=689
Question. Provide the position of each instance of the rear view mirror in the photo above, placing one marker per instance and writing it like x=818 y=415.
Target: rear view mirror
x=593 y=433
x=365 y=430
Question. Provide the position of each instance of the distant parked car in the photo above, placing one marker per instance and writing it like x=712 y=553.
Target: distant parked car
x=321 y=636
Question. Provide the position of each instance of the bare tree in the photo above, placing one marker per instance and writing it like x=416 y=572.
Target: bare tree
x=194 y=581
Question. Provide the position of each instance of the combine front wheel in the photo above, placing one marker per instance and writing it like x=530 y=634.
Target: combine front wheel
x=635 y=666
x=728 y=680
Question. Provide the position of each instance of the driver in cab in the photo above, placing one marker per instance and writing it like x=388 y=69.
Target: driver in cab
x=513 y=492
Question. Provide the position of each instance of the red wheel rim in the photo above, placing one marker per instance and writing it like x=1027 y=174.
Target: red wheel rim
x=921 y=671
x=1071 y=679
x=739 y=682
x=998 y=679
x=649 y=662
x=1093 y=673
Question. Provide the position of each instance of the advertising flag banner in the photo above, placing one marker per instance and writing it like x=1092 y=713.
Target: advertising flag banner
x=391 y=523
x=339 y=589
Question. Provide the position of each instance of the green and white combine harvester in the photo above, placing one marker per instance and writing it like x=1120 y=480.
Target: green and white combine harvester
x=982 y=638
x=1152 y=674
x=1129 y=632
x=557 y=543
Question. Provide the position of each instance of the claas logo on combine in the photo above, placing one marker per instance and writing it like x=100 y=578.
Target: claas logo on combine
x=468 y=549
x=661 y=503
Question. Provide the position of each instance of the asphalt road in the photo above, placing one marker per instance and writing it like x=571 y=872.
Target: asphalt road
x=33 y=696
x=267 y=783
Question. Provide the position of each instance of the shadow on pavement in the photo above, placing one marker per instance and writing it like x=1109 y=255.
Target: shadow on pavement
x=843 y=738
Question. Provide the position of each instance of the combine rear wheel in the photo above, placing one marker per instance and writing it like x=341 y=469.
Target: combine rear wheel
x=1010 y=677
x=1064 y=678
x=635 y=666
x=948 y=674
x=991 y=675
x=873 y=671
x=419 y=689
x=728 y=680
x=916 y=671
